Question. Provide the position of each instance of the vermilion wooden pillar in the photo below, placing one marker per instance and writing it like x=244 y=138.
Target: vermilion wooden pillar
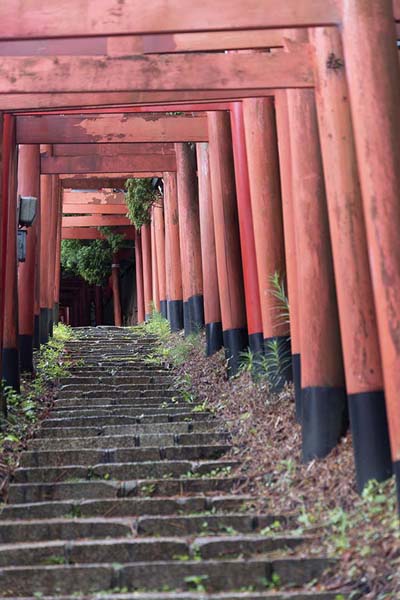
x=147 y=277
x=361 y=354
x=189 y=235
x=247 y=244
x=3 y=239
x=28 y=185
x=324 y=408
x=57 y=265
x=212 y=309
x=10 y=359
x=154 y=269
x=46 y=206
x=115 y=267
x=55 y=215
x=266 y=205
x=172 y=253
x=286 y=180
x=227 y=241
x=98 y=301
x=139 y=277
x=374 y=84
x=158 y=214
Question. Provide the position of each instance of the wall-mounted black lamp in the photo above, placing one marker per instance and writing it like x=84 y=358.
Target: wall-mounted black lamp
x=27 y=208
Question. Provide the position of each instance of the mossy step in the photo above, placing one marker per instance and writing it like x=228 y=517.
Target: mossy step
x=130 y=507
x=43 y=458
x=212 y=575
x=249 y=595
x=124 y=419
x=123 y=470
x=126 y=409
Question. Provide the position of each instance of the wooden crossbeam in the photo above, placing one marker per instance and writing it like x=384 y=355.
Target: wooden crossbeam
x=102 y=164
x=92 y=233
x=95 y=221
x=215 y=71
x=52 y=129
x=93 y=209
x=111 y=149
x=97 y=181
x=69 y=18
x=27 y=102
x=104 y=197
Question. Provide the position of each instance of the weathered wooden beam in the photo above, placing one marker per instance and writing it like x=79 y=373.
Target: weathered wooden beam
x=93 y=209
x=127 y=45
x=96 y=181
x=70 y=18
x=92 y=233
x=24 y=102
x=215 y=71
x=104 y=164
x=103 y=197
x=117 y=128
x=111 y=149
x=95 y=221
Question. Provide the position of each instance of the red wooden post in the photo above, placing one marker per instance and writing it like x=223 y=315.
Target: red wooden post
x=212 y=309
x=147 y=277
x=172 y=253
x=189 y=235
x=158 y=215
x=46 y=187
x=139 y=277
x=154 y=270
x=227 y=241
x=247 y=244
x=374 y=84
x=286 y=179
x=10 y=358
x=98 y=303
x=115 y=290
x=364 y=381
x=28 y=185
x=50 y=259
x=266 y=206
x=324 y=409
x=57 y=266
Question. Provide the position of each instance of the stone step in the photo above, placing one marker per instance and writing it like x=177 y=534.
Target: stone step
x=233 y=595
x=39 y=530
x=124 y=419
x=39 y=492
x=143 y=440
x=135 y=391
x=116 y=379
x=134 y=429
x=123 y=470
x=123 y=550
x=117 y=455
x=130 y=507
x=136 y=403
x=213 y=575
x=126 y=409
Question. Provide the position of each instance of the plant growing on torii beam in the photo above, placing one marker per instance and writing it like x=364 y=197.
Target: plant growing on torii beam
x=140 y=196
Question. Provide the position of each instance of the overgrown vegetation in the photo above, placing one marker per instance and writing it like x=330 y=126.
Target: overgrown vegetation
x=91 y=259
x=140 y=196
x=362 y=533
x=27 y=409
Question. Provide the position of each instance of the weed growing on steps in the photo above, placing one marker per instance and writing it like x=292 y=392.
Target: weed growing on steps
x=26 y=409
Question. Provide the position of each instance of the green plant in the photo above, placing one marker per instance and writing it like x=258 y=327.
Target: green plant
x=276 y=361
x=196 y=582
x=278 y=292
x=139 y=197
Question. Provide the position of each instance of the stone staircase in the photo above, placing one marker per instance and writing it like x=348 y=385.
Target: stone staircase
x=125 y=493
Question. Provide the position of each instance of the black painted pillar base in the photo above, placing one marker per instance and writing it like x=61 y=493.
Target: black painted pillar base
x=56 y=313
x=44 y=325
x=175 y=314
x=214 y=338
x=278 y=352
x=256 y=346
x=186 y=318
x=396 y=471
x=51 y=321
x=26 y=353
x=164 y=308
x=296 y=369
x=325 y=420
x=196 y=311
x=235 y=341
x=36 y=332
x=10 y=366
x=147 y=317
x=369 y=428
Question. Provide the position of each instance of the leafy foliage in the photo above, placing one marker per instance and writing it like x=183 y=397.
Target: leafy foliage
x=140 y=197
x=91 y=259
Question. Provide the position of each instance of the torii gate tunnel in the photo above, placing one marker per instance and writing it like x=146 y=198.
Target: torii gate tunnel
x=274 y=126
